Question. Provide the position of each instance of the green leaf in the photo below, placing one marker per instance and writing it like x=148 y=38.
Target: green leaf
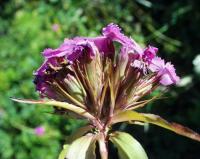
x=58 y=104
x=64 y=152
x=156 y=120
x=82 y=148
x=78 y=133
x=91 y=151
x=128 y=147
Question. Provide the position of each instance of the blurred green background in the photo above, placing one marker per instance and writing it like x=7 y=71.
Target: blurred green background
x=27 y=27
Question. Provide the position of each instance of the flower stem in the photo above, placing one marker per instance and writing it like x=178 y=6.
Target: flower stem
x=103 y=146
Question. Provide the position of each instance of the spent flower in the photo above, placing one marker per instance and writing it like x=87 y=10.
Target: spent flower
x=90 y=78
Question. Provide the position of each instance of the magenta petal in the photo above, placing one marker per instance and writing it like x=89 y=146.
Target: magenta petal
x=64 y=49
x=81 y=47
x=168 y=75
x=149 y=53
x=157 y=64
x=172 y=73
x=165 y=72
x=165 y=80
x=113 y=32
x=104 y=44
x=41 y=69
x=48 y=53
x=72 y=49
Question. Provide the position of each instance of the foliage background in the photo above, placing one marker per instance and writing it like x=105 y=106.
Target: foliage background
x=26 y=29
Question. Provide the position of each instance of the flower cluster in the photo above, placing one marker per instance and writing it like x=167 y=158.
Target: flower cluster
x=80 y=70
x=104 y=79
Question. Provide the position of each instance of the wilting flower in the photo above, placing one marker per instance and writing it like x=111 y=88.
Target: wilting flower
x=92 y=78
x=40 y=130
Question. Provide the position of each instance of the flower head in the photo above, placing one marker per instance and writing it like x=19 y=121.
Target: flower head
x=90 y=57
x=94 y=75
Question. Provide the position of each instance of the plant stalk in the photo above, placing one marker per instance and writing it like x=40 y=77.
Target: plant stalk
x=103 y=146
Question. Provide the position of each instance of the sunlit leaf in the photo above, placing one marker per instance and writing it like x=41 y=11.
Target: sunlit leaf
x=156 y=120
x=78 y=133
x=58 y=104
x=91 y=151
x=81 y=148
x=128 y=147
x=63 y=152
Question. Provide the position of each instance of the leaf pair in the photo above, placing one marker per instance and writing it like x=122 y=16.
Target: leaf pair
x=84 y=147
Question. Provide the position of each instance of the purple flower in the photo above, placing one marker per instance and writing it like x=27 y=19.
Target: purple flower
x=55 y=27
x=90 y=55
x=166 y=72
x=39 y=131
